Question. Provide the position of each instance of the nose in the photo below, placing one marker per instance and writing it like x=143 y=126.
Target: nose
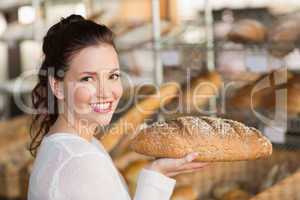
x=104 y=90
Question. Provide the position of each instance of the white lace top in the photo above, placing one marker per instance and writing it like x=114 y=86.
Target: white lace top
x=68 y=167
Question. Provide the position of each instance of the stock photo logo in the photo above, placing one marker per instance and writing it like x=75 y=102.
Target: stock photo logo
x=200 y=91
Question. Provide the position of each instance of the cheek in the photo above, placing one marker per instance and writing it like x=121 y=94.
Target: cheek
x=117 y=91
x=83 y=94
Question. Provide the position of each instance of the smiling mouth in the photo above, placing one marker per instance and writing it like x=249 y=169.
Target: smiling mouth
x=104 y=107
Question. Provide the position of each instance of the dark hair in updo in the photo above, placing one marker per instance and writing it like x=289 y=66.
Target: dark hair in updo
x=62 y=41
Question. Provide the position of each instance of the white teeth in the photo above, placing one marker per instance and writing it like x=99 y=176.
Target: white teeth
x=101 y=106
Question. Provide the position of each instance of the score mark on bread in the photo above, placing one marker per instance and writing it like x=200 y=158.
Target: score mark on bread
x=215 y=139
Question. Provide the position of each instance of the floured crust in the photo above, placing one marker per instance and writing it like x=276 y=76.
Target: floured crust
x=215 y=139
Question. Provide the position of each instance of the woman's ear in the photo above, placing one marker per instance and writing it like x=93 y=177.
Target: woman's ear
x=56 y=87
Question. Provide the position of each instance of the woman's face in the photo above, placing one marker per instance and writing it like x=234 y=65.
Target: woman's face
x=92 y=85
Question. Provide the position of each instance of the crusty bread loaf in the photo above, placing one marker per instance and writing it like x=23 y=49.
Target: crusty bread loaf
x=215 y=139
x=247 y=31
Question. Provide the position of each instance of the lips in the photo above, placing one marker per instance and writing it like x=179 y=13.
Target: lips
x=102 y=107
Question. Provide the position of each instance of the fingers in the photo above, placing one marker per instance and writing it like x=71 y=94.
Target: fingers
x=191 y=165
x=173 y=163
x=191 y=156
x=175 y=173
x=187 y=168
x=168 y=165
x=188 y=158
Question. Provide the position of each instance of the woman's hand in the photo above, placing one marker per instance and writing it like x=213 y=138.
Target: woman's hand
x=172 y=167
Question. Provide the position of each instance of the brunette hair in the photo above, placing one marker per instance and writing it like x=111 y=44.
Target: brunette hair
x=62 y=41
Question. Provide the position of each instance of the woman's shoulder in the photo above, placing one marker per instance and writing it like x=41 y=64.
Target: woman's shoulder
x=68 y=159
x=71 y=144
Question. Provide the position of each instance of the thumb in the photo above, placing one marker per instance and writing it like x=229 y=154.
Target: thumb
x=188 y=158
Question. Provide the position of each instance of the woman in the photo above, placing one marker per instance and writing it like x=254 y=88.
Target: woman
x=79 y=88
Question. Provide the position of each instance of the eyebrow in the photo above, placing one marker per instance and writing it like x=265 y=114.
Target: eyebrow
x=113 y=70
x=94 y=73
x=89 y=73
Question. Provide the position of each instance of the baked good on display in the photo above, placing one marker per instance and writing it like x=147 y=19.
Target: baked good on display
x=247 y=31
x=215 y=139
x=284 y=36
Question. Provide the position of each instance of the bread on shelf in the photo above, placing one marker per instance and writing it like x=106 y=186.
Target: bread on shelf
x=284 y=36
x=247 y=31
x=246 y=98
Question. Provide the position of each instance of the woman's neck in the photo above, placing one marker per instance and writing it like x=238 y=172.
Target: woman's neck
x=62 y=124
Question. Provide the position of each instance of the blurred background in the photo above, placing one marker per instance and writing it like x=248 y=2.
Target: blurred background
x=233 y=59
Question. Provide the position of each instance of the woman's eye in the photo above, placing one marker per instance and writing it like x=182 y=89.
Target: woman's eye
x=115 y=76
x=87 y=78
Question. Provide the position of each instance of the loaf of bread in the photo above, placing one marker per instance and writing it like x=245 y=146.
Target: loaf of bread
x=215 y=139
x=292 y=100
x=242 y=98
x=284 y=35
x=247 y=31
